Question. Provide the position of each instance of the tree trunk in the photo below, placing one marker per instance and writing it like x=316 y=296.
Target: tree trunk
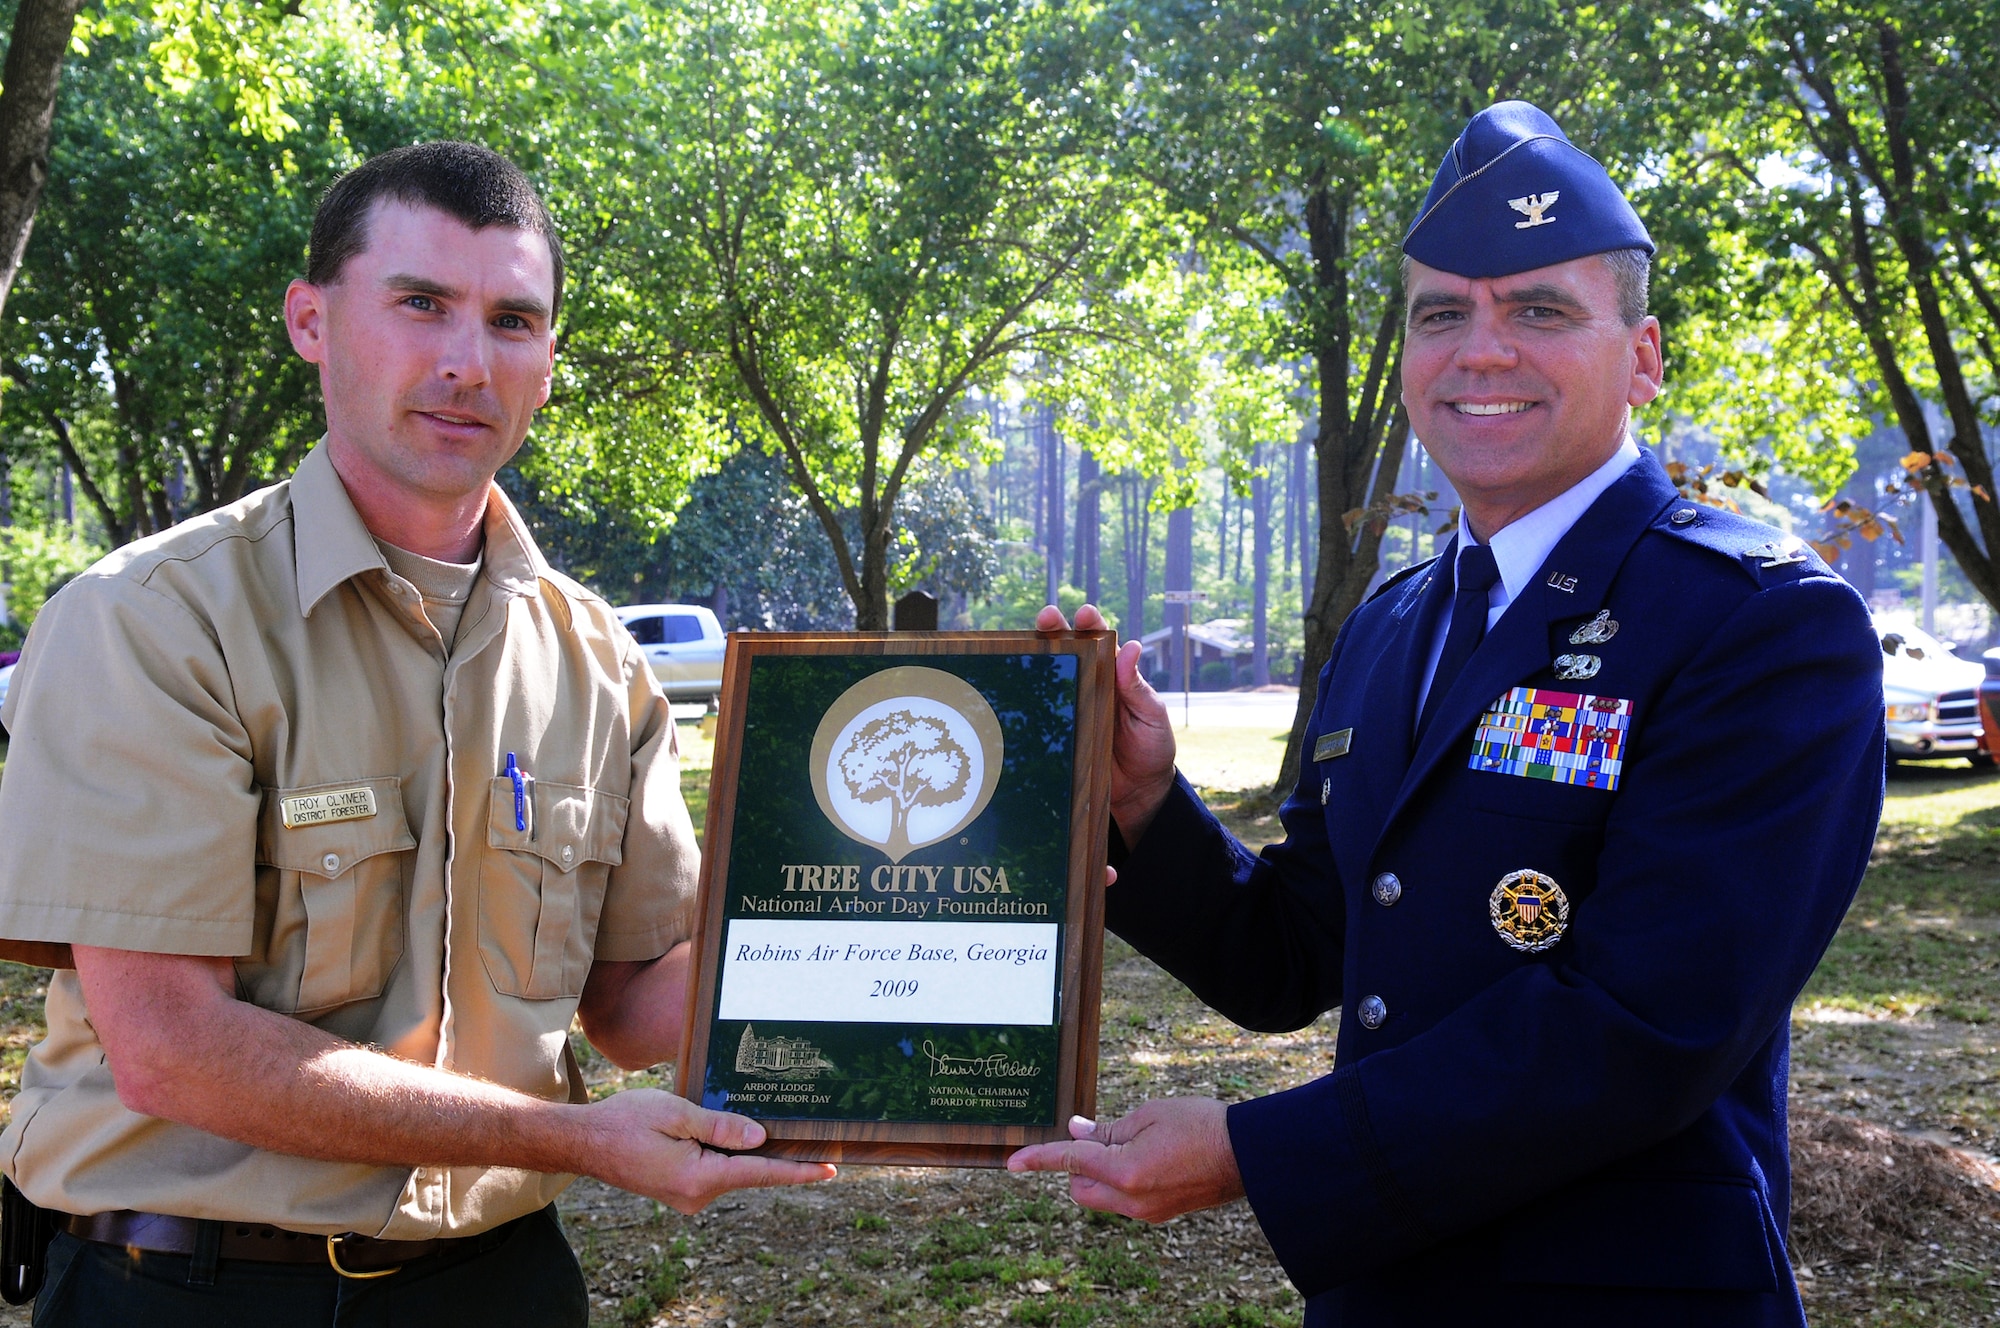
x=1088 y=525
x=1260 y=573
x=1303 y=461
x=1179 y=576
x=1136 y=541
x=41 y=38
x=871 y=614
x=1053 y=501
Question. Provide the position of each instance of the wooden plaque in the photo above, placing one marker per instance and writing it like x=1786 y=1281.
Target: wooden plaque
x=901 y=929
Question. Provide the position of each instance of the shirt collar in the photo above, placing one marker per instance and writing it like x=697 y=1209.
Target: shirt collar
x=1523 y=545
x=332 y=545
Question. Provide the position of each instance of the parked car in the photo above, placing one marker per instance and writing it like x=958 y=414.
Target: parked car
x=1932 y=698
x=684 y=645
x=1989 y=707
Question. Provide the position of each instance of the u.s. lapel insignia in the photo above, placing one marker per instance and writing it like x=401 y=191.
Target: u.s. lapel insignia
x=1577 y=668
x=1780 y=552
x=1562 y=581
x=1529 y=910
x=1595 y=632
x=1325 y=792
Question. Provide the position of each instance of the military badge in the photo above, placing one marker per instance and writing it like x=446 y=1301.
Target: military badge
x=1780 y=552
x=1529 y=910
x=1563 y=737
x=1333 y=745
x=1595 y=632
x=1577 y=668
x=1532 y=207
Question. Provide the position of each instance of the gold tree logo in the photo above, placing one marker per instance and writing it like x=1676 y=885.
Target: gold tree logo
x=905 y=758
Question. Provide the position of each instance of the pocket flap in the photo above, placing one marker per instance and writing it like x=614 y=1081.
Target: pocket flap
x=567 y=824
x=349 y=833
x=1668 y=1232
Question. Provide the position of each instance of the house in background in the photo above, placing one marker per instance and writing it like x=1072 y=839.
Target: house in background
x=1218 y=655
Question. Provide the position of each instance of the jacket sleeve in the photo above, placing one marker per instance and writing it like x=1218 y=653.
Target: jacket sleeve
x=1195 y=901
x=1729 y=859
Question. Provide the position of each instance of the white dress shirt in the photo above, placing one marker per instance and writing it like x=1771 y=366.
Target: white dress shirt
x=1523 y=545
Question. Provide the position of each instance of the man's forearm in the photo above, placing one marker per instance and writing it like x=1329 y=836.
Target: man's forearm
x=261 y=1078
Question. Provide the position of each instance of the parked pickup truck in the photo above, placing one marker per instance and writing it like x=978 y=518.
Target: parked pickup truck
x=1931 y=698
x=683 y=643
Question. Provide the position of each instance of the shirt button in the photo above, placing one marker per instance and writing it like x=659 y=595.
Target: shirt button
x=567 y=854
x=331 y=862
x=1373 y=1012
x=1387 y=889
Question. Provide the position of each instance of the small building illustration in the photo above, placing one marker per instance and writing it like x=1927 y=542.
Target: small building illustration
x=778 y=1055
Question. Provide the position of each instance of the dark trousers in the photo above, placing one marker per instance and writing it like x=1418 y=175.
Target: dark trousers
x=522 y=1273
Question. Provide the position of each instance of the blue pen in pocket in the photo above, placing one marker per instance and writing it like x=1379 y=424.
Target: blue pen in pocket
x=513 y=773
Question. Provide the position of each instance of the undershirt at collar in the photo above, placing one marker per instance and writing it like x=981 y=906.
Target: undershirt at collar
x=1523 y=545
x=444 y=587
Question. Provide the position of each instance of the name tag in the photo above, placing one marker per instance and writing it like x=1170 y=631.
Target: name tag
x=348 y=804
x=1333 y=744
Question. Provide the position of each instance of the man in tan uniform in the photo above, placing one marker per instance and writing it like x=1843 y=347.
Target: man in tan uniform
x=347 y=804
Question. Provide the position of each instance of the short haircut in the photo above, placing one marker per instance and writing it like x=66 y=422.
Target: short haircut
x=1631 y=274
x=475 y=184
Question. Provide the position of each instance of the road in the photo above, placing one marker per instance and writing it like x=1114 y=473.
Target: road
x=1232 y=710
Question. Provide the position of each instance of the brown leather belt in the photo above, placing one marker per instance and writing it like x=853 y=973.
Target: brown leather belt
x=348 y=1254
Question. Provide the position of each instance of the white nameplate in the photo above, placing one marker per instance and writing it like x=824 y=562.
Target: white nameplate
x=348 y=804
x=988 y=973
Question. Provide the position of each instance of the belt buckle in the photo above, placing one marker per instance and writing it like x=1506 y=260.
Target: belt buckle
x=333 y=1258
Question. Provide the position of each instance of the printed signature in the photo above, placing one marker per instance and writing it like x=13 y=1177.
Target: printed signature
x=996 y=1066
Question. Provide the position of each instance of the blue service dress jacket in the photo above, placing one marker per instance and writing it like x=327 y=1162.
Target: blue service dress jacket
x=1593 y=1132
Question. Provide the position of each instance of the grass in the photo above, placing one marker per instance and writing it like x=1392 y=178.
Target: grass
x=1920 y=938
x=1895 y=1037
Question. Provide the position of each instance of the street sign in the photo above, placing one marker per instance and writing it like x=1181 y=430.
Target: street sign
x=1187 y=683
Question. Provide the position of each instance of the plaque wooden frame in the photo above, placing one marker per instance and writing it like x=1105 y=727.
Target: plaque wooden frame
x=925 y=1143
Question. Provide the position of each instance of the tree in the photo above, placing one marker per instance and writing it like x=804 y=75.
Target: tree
x=872 y=210
x=147 y=350
x=909 y=761
x=40 y=38
x=1841 y=184
x=229 y=43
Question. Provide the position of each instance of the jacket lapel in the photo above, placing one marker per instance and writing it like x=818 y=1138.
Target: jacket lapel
x=1388 y=693
x=1587 y=559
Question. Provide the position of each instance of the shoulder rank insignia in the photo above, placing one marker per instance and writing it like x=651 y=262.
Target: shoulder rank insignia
x=1577 y=668
x=1532 y=207
x=1595 y=632
x=1561 y=737
x=1780 y=552
x=1529 y=910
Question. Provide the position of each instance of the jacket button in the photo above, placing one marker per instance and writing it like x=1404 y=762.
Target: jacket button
x=1683 y=517
x=332 y=864
x=568 y=853
x=1387 y=889
x=1373 y=1012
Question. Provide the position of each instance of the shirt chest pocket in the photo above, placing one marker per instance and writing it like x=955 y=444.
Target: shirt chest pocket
x=332 y=893
x=541 y=887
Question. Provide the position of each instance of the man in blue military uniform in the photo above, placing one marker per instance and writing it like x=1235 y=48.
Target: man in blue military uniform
x=1587 y=797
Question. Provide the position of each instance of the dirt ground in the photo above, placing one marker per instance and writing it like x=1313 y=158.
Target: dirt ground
x=1896 y=1101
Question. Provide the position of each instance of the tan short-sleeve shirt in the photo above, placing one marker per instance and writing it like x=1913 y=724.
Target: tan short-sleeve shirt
x=243 y=737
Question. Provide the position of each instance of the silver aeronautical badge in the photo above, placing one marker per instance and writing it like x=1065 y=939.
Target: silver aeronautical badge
x=1577 y=668
x=1595 y=632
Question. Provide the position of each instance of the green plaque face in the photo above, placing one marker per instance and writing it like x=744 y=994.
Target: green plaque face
x=894 y=928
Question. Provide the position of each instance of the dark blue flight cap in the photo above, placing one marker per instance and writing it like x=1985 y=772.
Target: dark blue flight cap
x=1514 y=194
